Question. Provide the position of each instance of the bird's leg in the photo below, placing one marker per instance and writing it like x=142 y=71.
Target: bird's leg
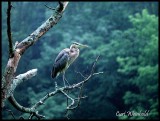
x=66 y=79
x=67 y=82
x=56 y=87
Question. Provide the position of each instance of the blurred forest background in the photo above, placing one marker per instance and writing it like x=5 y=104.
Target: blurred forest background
x=124 y=34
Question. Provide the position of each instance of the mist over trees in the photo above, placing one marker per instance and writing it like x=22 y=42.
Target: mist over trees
x=124 y=34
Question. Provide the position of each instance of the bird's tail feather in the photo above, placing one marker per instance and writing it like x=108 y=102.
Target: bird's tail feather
x=54 y=74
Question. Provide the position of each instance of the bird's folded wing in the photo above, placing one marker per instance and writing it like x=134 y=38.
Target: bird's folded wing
x=60 y=63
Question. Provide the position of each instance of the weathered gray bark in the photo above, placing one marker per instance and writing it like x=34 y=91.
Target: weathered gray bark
x=32 y=110
x=8 y=78
x=10 y=82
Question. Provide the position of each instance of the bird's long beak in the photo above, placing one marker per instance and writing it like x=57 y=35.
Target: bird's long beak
x=80 y=45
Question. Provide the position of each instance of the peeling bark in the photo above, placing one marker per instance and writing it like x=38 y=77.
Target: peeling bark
x=20 y=48
x=21 y=78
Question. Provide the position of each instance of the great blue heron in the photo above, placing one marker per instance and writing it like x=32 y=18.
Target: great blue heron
x=64 y=59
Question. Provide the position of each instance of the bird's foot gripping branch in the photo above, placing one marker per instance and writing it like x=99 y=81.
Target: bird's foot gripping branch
x=10 y=81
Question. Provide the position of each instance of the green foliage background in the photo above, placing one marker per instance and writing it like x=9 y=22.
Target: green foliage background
x=124 y=34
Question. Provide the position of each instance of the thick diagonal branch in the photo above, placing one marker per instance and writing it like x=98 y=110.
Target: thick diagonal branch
x=32 y=38
x=21 y=47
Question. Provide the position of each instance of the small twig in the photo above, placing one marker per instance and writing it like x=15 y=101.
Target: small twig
x=38 y=115
x=80 y=74
x=31 y=115
x=72 y=108
x=21 y=118
x=97 y=73
x=67 y=114
x=93 y=67
x=72 y=103
x=50 y=7
x=11 y=113
x=81 y=97
x=67 y=98
x=80 y=94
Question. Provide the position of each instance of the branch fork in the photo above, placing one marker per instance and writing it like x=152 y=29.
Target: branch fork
x=10 y=82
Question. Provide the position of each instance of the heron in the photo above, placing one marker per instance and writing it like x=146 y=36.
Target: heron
x=64 y=59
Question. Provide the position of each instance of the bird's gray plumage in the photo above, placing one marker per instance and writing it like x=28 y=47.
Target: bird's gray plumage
x=65 y=58
x=60 y=63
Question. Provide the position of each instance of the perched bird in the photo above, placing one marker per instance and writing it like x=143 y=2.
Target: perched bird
x=64 y=59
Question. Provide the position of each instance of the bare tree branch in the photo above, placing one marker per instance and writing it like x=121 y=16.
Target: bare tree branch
x=32 y=110
x=32 y=38
x=9 y=30
x=10 y=82
x=80 y=74
x=21 y=78
x=20 y=48
x=68 y=107
x=94 y=64
x=24 y=109
x=81 y=88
